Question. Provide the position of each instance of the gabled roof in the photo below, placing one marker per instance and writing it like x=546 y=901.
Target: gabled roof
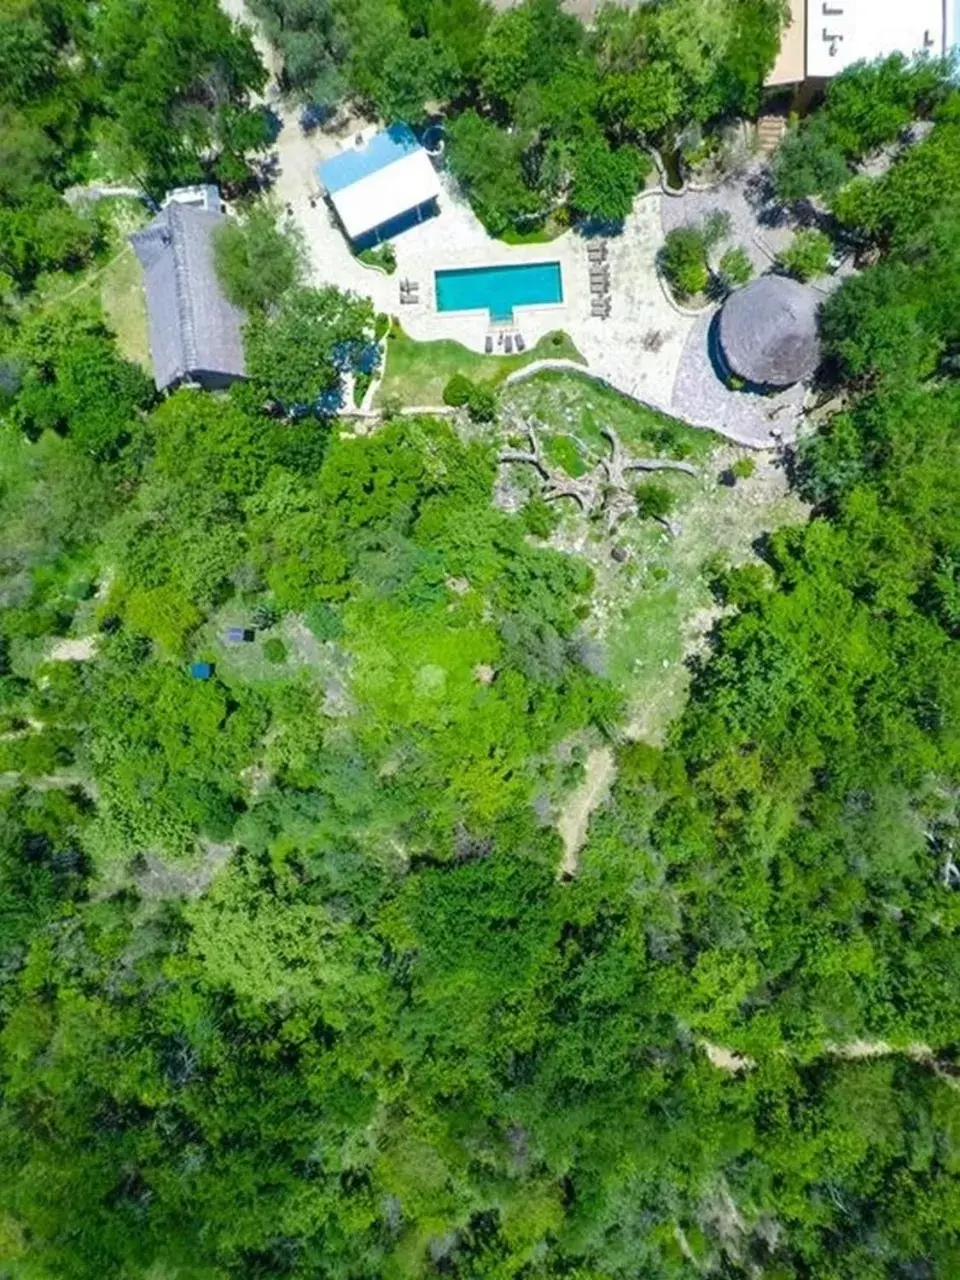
x=194 y=329
x=382 y=180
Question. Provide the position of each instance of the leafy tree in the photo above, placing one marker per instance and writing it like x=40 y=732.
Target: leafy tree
x=605 y=182
x=642 y=103
x=73 y=381
x=297 y=358
x=810 y=161
x=312 y=37
x=487 y=163
x=176 y=82
x=258 y=262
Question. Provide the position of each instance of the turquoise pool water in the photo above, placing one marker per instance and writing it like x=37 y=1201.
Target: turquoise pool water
x=499 y=289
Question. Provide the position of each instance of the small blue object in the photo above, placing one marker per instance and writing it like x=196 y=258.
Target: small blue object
x=499 y=289
x=201 y=670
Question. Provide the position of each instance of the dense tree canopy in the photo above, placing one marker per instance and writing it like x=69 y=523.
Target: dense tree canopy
x=290 y=985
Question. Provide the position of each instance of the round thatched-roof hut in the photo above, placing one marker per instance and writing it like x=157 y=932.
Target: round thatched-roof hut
x=768 y=332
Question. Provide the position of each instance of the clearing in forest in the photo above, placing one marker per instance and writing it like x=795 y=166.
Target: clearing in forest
x=652 y=606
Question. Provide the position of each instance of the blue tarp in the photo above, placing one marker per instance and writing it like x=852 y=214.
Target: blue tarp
x=351 y=166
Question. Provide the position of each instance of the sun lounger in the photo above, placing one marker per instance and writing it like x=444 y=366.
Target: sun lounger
x=488 y=345
x=508 y=344
x=521 y=345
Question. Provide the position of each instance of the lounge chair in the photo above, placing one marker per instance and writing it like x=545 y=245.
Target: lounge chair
x=488 y=345
x=508 y=344
x=521 y=345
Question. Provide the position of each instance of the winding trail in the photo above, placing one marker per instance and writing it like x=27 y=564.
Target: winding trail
x=574 y=820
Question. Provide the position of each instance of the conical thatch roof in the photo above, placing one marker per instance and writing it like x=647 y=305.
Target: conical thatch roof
x=768 y=332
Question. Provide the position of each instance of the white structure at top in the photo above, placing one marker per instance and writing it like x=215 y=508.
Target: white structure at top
x=841 y=32
x=822 y=37
x=205 y=195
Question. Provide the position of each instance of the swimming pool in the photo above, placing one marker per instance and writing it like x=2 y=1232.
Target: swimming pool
x=499 y=289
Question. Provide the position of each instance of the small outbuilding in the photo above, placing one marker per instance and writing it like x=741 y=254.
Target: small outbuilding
x=196 y=333
x=240 y=635
x=380 y=185
x=769 y=332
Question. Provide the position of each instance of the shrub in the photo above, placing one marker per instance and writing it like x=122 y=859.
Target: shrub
x=274 y=650
x=482 y=404
x=654 y=501
x=808 y=255
x=384 y=257
x=736 y=267
x=381 y=326
x=716 y=227
x=540 y=518
x=744 y=468
x=264 y=615
x=458 y=391
x=683 y=260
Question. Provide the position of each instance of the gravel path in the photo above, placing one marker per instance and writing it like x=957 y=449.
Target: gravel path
x=757 y=222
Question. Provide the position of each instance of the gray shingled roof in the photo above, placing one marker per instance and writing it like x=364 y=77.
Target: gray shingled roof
x=769 y=332
x=194 y=330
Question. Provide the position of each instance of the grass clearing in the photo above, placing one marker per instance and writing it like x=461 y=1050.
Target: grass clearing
x=653 y=610
x=116 y=284
x=580 y=407
x=417 y=372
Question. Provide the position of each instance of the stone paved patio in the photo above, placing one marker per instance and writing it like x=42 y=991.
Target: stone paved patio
x=757 y=222
x=701 y=398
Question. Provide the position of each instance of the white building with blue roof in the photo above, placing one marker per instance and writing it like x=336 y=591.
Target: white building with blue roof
x=380 y=186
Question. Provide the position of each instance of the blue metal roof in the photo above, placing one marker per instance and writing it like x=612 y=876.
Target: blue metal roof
x=383 y=149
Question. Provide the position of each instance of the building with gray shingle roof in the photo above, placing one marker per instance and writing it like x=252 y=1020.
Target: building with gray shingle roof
x=769 y=332
x=196 y=334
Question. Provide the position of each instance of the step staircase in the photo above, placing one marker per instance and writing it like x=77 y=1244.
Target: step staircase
x=770 y=130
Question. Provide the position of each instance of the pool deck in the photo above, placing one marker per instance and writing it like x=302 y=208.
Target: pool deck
x=638 y=350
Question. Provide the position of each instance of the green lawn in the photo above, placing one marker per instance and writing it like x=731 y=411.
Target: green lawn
x=124 y=304
x=417 y=372
x=117 y=285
